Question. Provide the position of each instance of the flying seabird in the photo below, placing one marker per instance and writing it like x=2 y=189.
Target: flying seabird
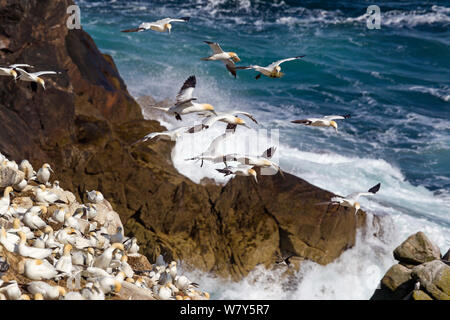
x=228 y=58
x=272 y=71
x=351 y=201
x=35 y=77
x=170 y=135
x=185 y=102
x=11 y=70
x=327 y=121
x=241 y=170
x=228 y=118
x=162 y=25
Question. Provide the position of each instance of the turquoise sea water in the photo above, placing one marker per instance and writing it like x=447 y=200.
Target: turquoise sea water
x=395 y=82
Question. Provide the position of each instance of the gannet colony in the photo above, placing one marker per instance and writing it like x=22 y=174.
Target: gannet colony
x=53 y=247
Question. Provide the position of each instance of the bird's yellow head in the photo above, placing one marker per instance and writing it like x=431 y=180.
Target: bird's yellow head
x=16 y=223
x=357 y=207
x=240 y=121
x=41 y=82
x=42 y=187
x=44 y=209
x=48 y=229
x=67 y=249
x=62 y=291
x=118 y=246
x=334 y=125
x=234 y=56
x=253 y=173
x=13 y=73
x=23 y=237
x=117 y=286
x=168 y=27
x=208 y=107
x=8 y=190
x=38 y=296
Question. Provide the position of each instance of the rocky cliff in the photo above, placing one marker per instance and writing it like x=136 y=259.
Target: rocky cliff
x=83 y=125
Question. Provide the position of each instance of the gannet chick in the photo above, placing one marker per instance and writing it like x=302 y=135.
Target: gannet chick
x=185 y=101
x=327 y=121
x=245 y=171
x=5 y=201
x=170 y=135
x=228 y=58
x=11 y=290
x=351 y=201
x=31 y=252
x=45 y=196
x=64 y=264
x=103 y=261
x=162 y=25
x=272 y=71
x=33 y=221
x=35 y=77
x=26 y=167
x=95 y=196
x=47 y=291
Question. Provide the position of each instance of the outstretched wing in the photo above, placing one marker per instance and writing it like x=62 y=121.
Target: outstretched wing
x=215 y=47
x=303 y=121
x=347 y=116
x=183 y=19
x=43 y=73
x=139 y=29
x=187 y=90
x=277 y=63
x=371 y=192
x=245 y=114
x=230 y=67
x=19 y=65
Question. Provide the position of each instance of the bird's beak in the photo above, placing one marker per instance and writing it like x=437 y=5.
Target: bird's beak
x=236 y=59
x=49 y=167
x=14 y=74
x=256 y=179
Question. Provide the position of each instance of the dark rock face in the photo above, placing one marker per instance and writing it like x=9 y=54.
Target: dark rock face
x=83 y=126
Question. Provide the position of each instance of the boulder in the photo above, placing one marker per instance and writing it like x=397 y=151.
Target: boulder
x=434 y=277
x=417 y=249
x=398 y=276
x=420 y=295
x=446 y=256
x=10 y=177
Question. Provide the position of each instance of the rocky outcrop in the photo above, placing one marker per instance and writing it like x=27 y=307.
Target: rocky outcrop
x=417 y=249
x=413 y=280
x=84 y=124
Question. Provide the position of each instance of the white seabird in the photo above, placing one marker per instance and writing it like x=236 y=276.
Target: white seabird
x=245 y=171
x=31 y=252
x=43 y=174
x=327 y=121
x=185 y=101
x=170 y=135
x=231 y=121
x=26 y=167
x=49 y=292
x=272 y=71
x=228 y=58
x=95 y=196
x=5 y=201
x=10 y=71
x=64 y=264
x=351 y=201
x=34 y=77
x=162 y=25
x=39 y=270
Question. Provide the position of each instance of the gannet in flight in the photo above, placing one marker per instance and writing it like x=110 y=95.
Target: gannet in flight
x=162 y=25
x=327 y=121
x=185 y=101
x=11 y=70
x=35 y=77
x=170 y=135
x=272 y=71
x=231 y=126
x=262 y=161
x=228 y=58
x=351 y=201
x=228 y=118
x=241 y=170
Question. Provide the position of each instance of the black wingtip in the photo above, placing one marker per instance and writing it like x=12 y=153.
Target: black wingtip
x=375 y=189
x=186 y=18
x=347 y=116
x=299 y=57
